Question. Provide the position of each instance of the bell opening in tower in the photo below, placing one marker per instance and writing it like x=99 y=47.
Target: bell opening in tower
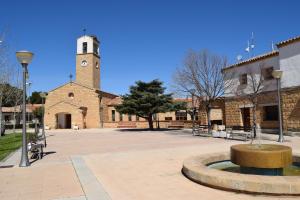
x=84 y=47
x=95 y=49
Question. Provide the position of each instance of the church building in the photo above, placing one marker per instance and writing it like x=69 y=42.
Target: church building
x=80 y=103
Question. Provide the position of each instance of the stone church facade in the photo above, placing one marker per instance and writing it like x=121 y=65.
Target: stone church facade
x=82 y=104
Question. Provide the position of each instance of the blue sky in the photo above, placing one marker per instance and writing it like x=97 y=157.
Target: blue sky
x=140 y=40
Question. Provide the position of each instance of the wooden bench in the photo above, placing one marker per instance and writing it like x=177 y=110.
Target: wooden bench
x=176 y=124
x=126 y=125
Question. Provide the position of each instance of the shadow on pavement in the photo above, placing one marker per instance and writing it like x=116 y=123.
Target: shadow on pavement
x=35 y=158
x=7 y=166
x=144 y=129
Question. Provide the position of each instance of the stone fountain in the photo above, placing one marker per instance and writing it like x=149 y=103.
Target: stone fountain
x=250 y=168
x=261 y=159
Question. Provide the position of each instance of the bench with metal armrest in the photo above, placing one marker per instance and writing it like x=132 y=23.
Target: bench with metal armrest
x=201 y=130
x=238 y=133
x=37 y=150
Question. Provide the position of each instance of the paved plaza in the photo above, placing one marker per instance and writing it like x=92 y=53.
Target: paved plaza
x=118 y=164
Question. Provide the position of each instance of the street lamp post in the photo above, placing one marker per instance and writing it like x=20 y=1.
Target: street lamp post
x=277 y=74
x=24 y=57
x=43 y=95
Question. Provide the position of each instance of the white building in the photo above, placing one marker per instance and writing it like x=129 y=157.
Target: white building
x=242 y=75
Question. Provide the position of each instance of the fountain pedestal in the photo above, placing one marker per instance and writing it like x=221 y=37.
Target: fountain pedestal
x=264 y=159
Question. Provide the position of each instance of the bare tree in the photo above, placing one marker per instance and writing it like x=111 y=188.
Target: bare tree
x=201 y=74
x=5 y=76
x=17 y=98
x=254 y=85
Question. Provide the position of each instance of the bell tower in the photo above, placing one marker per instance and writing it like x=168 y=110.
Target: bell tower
x=88 y=61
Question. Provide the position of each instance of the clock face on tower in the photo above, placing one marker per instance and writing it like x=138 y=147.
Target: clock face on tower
x=84 y=63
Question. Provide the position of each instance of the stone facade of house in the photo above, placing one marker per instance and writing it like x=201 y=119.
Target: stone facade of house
x=239 y=108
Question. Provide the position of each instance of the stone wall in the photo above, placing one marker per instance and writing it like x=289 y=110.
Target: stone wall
x=291 y=109
x=217 y=112
x=233 y=108
x=88 y=75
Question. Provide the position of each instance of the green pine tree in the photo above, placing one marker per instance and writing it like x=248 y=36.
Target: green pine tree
x=146 y=99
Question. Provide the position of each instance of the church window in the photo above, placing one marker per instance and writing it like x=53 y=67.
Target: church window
x=84 y=47
x=95 y=48
x=71 y=95
x=181 y=115
x=129 y=118
x=113 y=115
x=168 y=118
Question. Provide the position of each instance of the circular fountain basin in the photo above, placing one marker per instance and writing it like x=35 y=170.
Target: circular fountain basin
x=261 y=156
x=263 y=159
x=197 y=169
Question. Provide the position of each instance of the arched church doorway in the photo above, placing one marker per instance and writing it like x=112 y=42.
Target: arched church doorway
x=63 y=120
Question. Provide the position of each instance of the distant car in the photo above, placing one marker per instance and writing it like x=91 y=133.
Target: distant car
x=2 y=128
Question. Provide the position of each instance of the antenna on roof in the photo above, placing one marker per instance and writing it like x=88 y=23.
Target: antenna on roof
x=252 y=41
x=84 y=31
x=273 y=47
x=239 y=58
x=250 y=46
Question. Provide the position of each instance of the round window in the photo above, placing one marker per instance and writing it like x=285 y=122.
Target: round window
x=71 y=95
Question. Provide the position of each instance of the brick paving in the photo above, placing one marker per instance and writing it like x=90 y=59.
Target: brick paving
x=127 y=165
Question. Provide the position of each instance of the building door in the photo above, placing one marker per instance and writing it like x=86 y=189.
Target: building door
x=246 y=118
x=68 y=121
x=64 y=120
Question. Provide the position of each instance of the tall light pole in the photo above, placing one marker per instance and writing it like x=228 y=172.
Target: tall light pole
x=277 y=74
x=24 y=58
x=43 y=95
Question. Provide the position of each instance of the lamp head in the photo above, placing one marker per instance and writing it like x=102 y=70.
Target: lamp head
x=24 y=57
x=43 y=94
x=277 y=74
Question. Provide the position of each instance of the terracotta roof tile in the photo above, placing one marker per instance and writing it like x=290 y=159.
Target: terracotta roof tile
x=286 y=42
x=254 y=59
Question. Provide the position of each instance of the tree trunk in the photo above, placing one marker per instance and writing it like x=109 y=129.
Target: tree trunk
x=208 y=111
x=15 y=120
x=1 y=116
x=150 y=121
x=254 y=120
x=14 y=123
